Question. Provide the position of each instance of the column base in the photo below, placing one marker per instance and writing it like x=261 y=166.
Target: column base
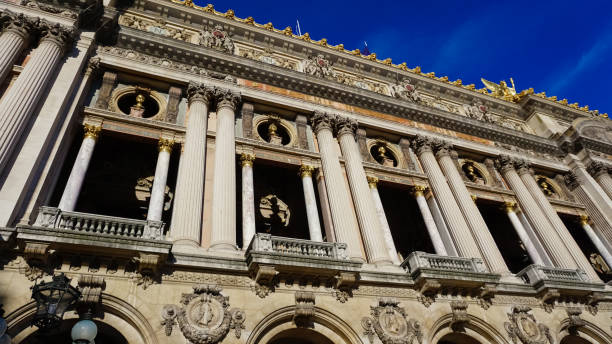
x=185 y=246
x=222 y=246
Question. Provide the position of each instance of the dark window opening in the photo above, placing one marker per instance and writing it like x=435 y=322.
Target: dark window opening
x=508 y=242
x=405 y=220
x=150 y=105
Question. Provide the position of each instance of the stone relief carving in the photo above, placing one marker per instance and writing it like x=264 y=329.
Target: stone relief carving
x=477 y=110
x=162 y=62
x=50 y=9
x=267 y=56
x=360 y=82
x=304 y=309
x=523 y=328
x=460 y=315
x=575 y=321
x=318 y=66
x=407 y=91
x=158 y=27
x=217 y=38
x=203 y=316
x=391 y=324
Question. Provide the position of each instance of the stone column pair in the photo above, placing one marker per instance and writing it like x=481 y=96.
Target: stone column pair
x=14 y=39
x=601 y=173
x=510 y=207
x=599 y=245
x=20 y=100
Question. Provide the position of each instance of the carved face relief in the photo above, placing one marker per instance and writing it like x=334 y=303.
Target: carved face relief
x=388 y=321
x=392 y=322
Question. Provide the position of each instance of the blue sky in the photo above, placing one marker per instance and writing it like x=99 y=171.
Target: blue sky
x=561 y=47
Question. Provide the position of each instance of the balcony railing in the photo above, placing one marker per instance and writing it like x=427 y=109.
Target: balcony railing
x=50 y=217
x=297 y=247
x=536 y=273
x=422 y=260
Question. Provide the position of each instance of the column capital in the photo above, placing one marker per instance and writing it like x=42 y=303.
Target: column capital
x=247 y=159
x=93 y=66
x=227 y=98
x=422 y=144
x=442 y=148
x=571 y=180
x=505 y=163
x=91 y=130
x=509 y=206
x=61 y=35
x=474 y=197
x=419 y=190
x=165 y=145
x=345 y=125
x=320 y=121
x=19 y=24
x=522 y=167
x=584 y=220
x=199 y=92
x=306 y=171
x=596 y=168
x=372 y=182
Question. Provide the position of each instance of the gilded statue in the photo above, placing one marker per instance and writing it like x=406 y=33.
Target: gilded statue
x=502 y=91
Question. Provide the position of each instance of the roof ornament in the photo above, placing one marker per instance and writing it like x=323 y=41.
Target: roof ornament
x=502 y=91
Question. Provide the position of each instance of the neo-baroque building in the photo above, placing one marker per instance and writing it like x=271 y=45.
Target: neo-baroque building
x=202 y=178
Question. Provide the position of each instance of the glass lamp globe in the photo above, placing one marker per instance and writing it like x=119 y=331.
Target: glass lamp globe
x=84 y=331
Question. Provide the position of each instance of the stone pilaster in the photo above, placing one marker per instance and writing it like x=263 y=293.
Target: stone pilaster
x=364 y=204
x=555 y=220
x=430 y=223
x=345 y=226
x=158 y=190
x=247 y=120
x=522 y=233
x=174 y=99
x=451 y=212
x=109 y=79
x=187 y=217
x=79 y=169
x=480 y=231
x=248 y=199
x=312 y=214
x=384 y=225
x=20 y=100
x=223 y=236
x=14 y=39
x=584 y=222
x=601 y=173
x=548 y=236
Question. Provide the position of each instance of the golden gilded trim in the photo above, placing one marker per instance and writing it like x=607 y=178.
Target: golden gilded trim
x=372 y=182
x=247 y=159
x=509 y=206
x=91 y=131
x=419 y=190
x=165 y=145
x=584 y=220
x=474 y=198
x=306 y=171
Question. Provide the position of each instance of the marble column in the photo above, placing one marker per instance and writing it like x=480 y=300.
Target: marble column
x=548 y=236
x=325 y=209
x=548 y=210
x=455 y=221
x=522 y=233
x=158 y=190
x=584 y=222
x=601 y=173
x=187 y=215
x=223 y=235
x=79 y=169
x=384 y=225
x=345 y=226
x=490 y=252
x=312 y=214
x=248 y=199
x=369 y=224
x=14 y=40
x=20 y=100
x=430 y=223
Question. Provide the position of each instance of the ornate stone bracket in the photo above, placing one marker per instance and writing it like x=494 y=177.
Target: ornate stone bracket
x=345 y=283
x=575 y=321
x=389 y=322
x=549 y=298
x=203 y=316
x=460 y=315
x=148 y=269
x=523 y=328
x=304 y=309
x=37 y=257
x=428 y=292
x=265 y=280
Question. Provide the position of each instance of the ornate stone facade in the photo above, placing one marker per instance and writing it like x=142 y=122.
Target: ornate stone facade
x=182 y=157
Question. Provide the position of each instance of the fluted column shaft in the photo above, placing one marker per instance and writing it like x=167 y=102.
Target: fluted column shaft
x=328 y=223
x=13 y=41
x=451 y=212
x=18 y=104
x=312 y=214
x=601 y=173
x=558 y=225
x=547 y=234
x=223 y=235
x=79 y=169
x=605 y=181
x=339 y=202
x=430 y=223
x=584 y=222
x=522 y=234
x=158 y=190
x=480 y=231
x=369 y=224
x=384 y=225
x=187 y=216
x=248 y=199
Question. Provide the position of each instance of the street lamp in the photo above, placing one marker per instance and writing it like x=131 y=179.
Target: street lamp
x=52 y=300
x=84 y=331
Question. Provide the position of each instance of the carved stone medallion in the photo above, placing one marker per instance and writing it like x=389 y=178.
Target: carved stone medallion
x=523 y=327
x=204 y=316
x=388 y=321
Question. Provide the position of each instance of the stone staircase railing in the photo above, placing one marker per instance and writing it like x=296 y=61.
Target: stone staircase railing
x=267 y=243
x=421 y=260
x=50 y=217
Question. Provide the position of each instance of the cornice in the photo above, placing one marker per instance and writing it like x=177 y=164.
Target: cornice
x=277 y=76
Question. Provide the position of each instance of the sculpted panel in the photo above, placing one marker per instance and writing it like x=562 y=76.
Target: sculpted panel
x=390 y=323
x=523 y=328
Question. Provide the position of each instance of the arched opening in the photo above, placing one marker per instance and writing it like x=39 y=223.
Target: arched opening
x=571 y=339
x=299 y=336
x=457 y=338
x=106 y=334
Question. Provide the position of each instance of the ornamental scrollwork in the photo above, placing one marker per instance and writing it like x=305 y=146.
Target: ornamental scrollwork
x=407 y=91
x=203 y=316
x=390 y=323
x=318 y=66
x=218 y=39
x=523 y=328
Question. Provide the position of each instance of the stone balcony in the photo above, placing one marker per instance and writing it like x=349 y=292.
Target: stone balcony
x=544 y=278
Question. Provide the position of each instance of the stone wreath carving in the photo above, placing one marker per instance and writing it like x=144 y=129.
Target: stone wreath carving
x=389 y=322
x=523 y=326
x=204 y=316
